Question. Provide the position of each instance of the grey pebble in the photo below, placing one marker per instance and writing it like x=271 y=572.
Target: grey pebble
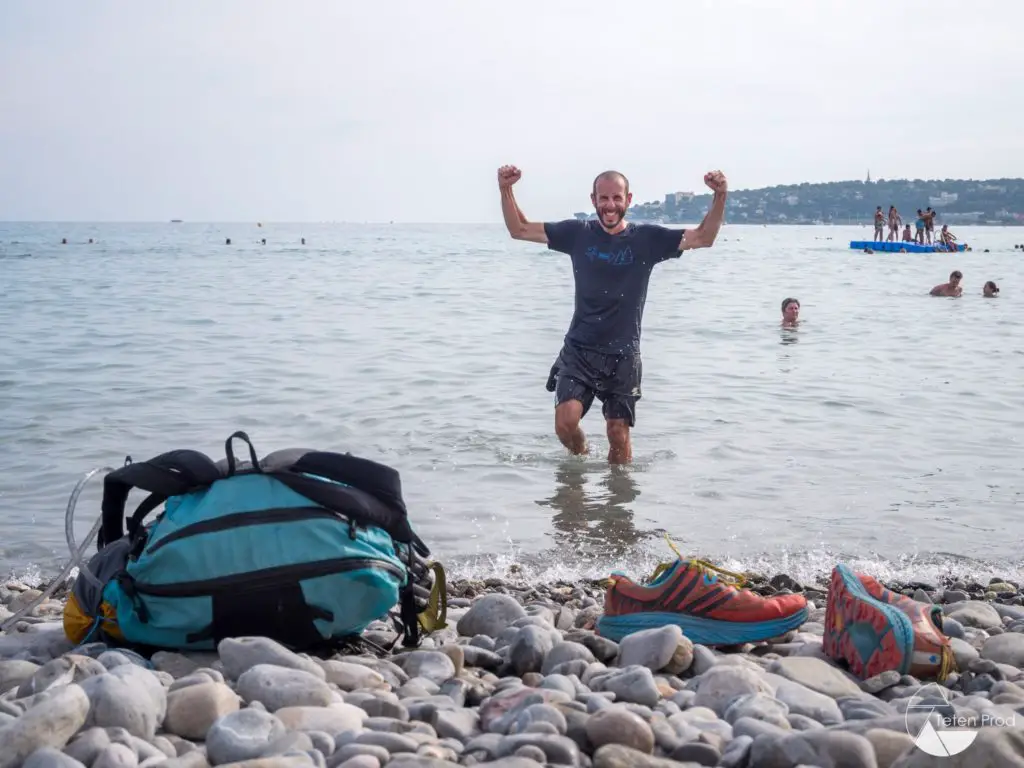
x=392 y=742
x=242 y=735
x=48 y=757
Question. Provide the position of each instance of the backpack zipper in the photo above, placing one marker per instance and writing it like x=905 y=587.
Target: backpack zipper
x=252 y=517
x=267 y=577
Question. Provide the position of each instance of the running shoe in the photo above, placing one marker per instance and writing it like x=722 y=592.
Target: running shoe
x=708 y=603
x=871 y=636
x=932 y=656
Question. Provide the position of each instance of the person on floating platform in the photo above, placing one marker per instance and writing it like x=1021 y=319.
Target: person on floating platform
x=919 y=226
x=895 y=222
x=947 y=238
x=929 y=223
x=879 y=224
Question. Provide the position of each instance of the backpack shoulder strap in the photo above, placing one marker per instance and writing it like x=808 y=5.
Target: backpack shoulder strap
x=374 y=478
x=169 y=474
x=300 y=469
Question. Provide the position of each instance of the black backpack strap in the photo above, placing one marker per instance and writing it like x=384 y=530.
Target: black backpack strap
x=373 y=495
x=410 y=621
x=169 y=474
x=378 y=480
x=421 y=549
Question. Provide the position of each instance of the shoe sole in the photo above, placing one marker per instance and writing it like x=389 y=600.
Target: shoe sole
x=875 y=637
x=924 y=663
x=700 y=630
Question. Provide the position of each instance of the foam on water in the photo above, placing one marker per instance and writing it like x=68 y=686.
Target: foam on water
x=885 y=432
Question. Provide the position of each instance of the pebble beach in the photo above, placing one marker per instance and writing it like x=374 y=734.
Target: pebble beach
x=517 y=679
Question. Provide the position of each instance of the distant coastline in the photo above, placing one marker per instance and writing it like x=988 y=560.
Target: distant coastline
x=991 y=202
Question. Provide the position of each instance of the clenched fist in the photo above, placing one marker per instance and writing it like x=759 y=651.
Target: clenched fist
x=508 y=175
x=716 y=182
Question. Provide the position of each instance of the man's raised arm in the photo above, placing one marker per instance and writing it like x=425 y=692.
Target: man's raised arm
x=515 y=221
x=703 y=236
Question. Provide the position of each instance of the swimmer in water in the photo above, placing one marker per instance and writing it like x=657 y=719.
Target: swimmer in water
x=991 y=290
x=612 y=263
x=952 y=288
x=790 y=312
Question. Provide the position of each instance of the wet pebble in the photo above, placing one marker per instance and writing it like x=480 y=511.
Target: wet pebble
x=518 y=679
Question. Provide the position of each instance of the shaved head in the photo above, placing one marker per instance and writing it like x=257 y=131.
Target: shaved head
x=611 y=176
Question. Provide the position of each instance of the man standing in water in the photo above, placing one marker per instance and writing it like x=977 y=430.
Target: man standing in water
x=612 y=263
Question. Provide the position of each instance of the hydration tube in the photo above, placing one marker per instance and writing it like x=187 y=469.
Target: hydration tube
x=77 y=552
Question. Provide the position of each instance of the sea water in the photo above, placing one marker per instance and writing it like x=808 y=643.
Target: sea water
x=885 y=431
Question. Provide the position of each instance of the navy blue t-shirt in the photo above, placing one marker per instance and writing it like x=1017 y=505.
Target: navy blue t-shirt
x=611 y=274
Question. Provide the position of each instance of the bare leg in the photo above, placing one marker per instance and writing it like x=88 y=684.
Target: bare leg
x=620 y=449
x=567 y=426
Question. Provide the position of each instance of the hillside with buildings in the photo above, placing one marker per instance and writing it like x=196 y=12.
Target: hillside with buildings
x=957 y=201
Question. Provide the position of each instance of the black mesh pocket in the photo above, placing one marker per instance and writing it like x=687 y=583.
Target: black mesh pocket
x=277 y=611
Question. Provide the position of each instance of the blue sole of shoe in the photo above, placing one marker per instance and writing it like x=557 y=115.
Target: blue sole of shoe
x=700 y=630
x=862 y=634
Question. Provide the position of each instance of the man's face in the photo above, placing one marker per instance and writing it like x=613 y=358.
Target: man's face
x=611 y=201
x=792 y=312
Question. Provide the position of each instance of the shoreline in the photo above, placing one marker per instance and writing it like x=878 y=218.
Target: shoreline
x=517 y=679
x=524 y=577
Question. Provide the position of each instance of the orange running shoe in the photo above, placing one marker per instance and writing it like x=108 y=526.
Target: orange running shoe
x=869 y=635
x=932 y=656
x=710 y=610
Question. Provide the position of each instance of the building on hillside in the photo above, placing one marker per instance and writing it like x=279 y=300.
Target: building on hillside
x=674 y=200
x=944 y=199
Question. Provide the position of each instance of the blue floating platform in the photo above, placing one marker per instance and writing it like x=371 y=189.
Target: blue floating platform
x=894 y=247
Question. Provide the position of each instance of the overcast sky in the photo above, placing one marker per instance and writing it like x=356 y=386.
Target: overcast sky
x=319 y=110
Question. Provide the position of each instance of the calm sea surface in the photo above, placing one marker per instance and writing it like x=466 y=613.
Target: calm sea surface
x=886 y=431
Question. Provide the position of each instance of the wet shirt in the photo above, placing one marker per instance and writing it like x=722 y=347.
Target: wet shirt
x=611 y=274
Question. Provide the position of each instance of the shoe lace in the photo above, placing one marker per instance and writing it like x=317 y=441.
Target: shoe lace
x=731 y=578
x=947 y=663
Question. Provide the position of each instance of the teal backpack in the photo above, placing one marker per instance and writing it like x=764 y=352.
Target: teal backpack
x=305 y=547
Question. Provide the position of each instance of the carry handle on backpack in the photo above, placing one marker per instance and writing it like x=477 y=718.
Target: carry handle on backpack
x=169 y=474
x=231 y=454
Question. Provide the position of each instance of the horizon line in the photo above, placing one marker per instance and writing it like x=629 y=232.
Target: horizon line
x=399 y=221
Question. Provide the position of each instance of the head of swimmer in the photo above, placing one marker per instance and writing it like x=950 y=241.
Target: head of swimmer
x=790 y=311
x=955 y=277
x=611 y=198
x=991 y=290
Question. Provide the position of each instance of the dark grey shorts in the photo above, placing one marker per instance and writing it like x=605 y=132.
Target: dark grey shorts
x=583 y=374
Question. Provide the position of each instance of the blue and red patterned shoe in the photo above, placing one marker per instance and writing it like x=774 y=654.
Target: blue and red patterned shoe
x=932 y=656
x=870 y=636
x=709 y=604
